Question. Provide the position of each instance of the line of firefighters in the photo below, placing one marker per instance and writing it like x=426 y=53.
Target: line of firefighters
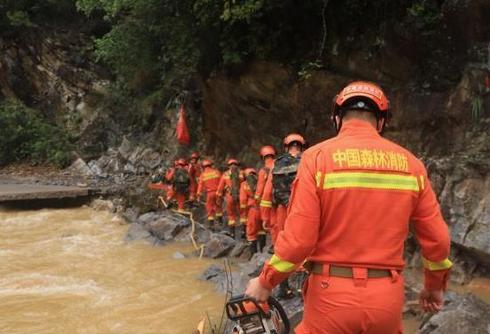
x=255 y=201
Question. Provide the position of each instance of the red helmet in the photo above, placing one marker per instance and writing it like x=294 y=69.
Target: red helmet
x=249 y=171
x=232 y=162
x=292 y=138
x=267 y=150
x=206 y=163
x=182 y=162
x=362 y=95
x=195 y=155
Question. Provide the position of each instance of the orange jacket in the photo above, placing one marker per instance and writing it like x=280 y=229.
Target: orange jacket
x=351 y=204
x=169 y=174
x=195 y=170
x=225 y=183
x=208 y=181
x=264 y=175
x=246 y=196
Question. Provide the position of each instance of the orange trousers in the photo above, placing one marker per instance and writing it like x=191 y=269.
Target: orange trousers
x=254 y=224
x=180 y=198
x=211 y=204
x=278 y=223
x=232 y=210
x=268 y=217
x=335 y=305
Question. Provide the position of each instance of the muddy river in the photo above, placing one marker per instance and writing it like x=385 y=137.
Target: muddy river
x=70 y=271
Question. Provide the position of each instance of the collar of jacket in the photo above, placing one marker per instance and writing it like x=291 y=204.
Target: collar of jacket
x=355 y=127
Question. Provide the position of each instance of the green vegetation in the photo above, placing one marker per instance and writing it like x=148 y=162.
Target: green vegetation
x=26 y=135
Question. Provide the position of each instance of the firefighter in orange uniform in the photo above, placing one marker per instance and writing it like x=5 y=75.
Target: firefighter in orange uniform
x=267 y=154
x=194 y=172
x=208 y=183
x=351 y=204
x=229 y=188
x=181 y=184
x=249 y=209
x=168 y=180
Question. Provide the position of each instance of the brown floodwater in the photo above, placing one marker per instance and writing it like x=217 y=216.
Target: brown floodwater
x=70 y=271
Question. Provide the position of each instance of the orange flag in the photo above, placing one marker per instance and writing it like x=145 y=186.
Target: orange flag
x=182 y=131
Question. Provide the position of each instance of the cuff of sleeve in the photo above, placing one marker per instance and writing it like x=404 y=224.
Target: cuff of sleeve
x=270 y=278
x=436 y=279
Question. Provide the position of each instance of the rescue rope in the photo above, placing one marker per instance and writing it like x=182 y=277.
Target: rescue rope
x=197 y=247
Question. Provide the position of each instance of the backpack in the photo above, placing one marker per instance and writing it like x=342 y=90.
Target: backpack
x=181 y=181
x=252 y=182
x=283 y=174
x=235 y=184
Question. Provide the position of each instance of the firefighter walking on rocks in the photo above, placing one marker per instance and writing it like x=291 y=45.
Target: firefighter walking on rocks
x=208 y=184
x=350 y=209
x=194 y=173
x=229 y=189
x=181 y=184
x=250 y=210
x=278 y=187
x=263 y=196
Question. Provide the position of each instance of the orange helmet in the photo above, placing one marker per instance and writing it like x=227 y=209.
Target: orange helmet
x=292 y=138
x=267 y=150
x=206 y=163
x=249 y=171
x=362 y=95
x=181 y=162
x=195 y=155
x=232 y=162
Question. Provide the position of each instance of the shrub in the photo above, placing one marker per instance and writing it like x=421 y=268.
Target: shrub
x=27 y=135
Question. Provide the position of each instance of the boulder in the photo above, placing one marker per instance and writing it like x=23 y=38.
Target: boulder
x=138 y=232
x=125 y=148
x=219 y=245
x=131 y=214
x=81 y=168
x=239 y=248
x=167 y=226
x=150 y=159
x=95 y=168
x=462 y=314
x=102 y=205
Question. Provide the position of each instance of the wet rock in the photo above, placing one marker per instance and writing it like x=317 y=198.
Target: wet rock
x=102 y=205
x=462 y=314
x=219 y=245
x=131 y=214
x=129 y=168
x=80 y=167
x=150 y=159
x=166 y=226
x=138 y=232
x=125 y=148
x=95 y=168
x=239 y=248
x=147 y=217
x=212 y=273
x=178 y=256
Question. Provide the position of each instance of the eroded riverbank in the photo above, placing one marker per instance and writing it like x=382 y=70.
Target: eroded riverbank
x=70 y=271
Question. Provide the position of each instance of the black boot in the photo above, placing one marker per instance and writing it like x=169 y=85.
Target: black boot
x=261 y=242
x=244 y=232
x=285 y=291
x=252 y=245
x=231 y=230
